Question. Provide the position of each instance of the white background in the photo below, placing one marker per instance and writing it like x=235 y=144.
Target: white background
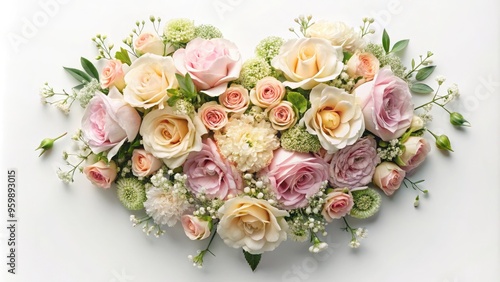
x=82 y=233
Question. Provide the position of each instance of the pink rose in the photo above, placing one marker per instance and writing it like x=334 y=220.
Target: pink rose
x=213 y=115
x=387 y=106
x=211 y=63
x=101 y=174
x=144 y=163
x=338 y=203
x=235 y=99
x=267 y=92
x=388 y=177
x=295 y=176
x=108 y=121
x=354 y=165
x=415 y=152
x=207 y=172
x=282 y=116
x=364 y=65
x=150 y=43
x=195 y=228
x=113 y=74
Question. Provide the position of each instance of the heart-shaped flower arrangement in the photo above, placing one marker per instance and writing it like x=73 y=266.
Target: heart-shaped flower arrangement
x=308 y=131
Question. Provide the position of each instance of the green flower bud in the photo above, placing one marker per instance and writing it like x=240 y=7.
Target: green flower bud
x=443 y=143
x=458 y=119
x=48 y=143
x=366 y=203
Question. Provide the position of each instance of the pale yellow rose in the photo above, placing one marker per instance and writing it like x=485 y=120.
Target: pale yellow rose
x=171 y=136
x=338 y=33
x=147 y=81
x=306 y=62
x=252 y=224
x=334 y=117
x=267 y=92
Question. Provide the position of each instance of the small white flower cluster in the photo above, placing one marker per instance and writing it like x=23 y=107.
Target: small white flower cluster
x=259 y=188
x=318 y=247
x=88 y=92
x=359 y=234
x=147 y=228
x=46 y=92
x=127 y=168
x=344 y=81
x=206 y=207
x=183 y=107
x=65 y=176
x=392 y=151
x=453 y=93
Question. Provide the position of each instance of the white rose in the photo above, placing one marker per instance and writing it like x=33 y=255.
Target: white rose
x=252 y=224
x=306 y=62
x=338 y=33
x=334 y=117
x=148 y=79
x=170 y=136
x=150 y=43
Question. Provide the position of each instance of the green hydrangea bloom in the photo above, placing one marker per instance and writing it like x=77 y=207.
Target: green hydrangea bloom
x=269 y=47
x=252 y=71
x=366 y=203
x=132 y=193
x=179 y=30
x=207 y=31
x=391 y=60
x=299 y=140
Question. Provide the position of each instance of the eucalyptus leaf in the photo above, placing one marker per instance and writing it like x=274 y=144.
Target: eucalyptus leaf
x=78 y=74
x=253 y=260
x=299 y=101
x=400 y=45
x=123 y=56
x=386 y=41
x=89 y=68
x=424 y=73
x=421 y=88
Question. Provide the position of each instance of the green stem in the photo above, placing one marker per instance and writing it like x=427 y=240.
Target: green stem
x=349 y=228
x=417 y=66
x=58 y=137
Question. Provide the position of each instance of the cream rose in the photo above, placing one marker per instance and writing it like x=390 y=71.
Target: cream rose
x=147 y=81
x=144 y=163
x=195 y=228
x=338 y=33
x=101 y=174
x=170 y=136
x=306 y=62
x=415 y=151
x=282 y=116
x=150 y=43
x=388 y=177
x=334 y=117
x=364 y=65
x=113 y=75
x=252 y=224
x=235 y=99
x=267 y=92
x=213 y=115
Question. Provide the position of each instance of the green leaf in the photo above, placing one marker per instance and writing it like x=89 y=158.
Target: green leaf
x=189 y=84
x=412 y=63
x=347 y=56
x=79 y=86
x=89 y=68
x=172 y=100
x=182 y=82
x=78 y=74
x=299 y=101
x=123 y=56
x=400 y=45
x=253 y=260
x=386 y=41
x=421 y=88
x=424 y=73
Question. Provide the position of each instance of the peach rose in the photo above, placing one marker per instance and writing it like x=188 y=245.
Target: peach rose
x=213 y=115
x=267 y=92
x=338 y=203
x=414 y=153
x=388 y=177
x=149 y=78
x=306 y=62
x=101 y=174
x=252 y=224
x=150 y=43
x=113 y=75
x=235 y=99
x=282 y=116
x=195 y=228
x=144 y=163
x=171 y=136
x=364 y=65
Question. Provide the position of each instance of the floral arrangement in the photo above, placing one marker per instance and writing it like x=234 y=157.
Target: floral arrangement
x=309 y=131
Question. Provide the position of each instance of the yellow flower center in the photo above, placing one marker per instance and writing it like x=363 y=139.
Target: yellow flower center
x=330 y=119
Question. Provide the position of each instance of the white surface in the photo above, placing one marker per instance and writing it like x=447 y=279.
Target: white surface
x=82 y=233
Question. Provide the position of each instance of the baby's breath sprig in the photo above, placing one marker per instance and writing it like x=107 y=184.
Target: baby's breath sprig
x=356 y=234
x=63 y=101
x=304 y=23
x=423 y=62
x=148 y=227
x=156 y=21
x=198 y=259
x=81 y=156
x=103 y=48
x=317 y=245
x=365 y=28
